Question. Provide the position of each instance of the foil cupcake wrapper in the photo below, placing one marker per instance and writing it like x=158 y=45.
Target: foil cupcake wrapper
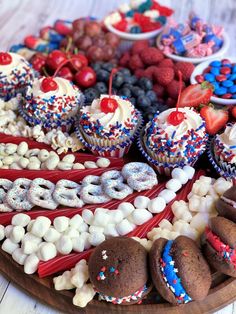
x=224 y=169
x=163 y=168
x=101 y=147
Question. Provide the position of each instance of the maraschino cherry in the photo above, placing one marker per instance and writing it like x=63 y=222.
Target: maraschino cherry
x=48 y=84
x=109 y=104
x=176 y=117
x=5 y=58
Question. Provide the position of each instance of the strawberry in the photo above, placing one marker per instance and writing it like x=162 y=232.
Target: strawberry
x=215 y=119
x=166 y=63
x=195 y=95
x=173 y=89
x=151 y=55
x=233 y=112
x=164 y=76
x=185 y=68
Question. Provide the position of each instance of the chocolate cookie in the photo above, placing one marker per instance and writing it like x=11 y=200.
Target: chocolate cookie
x=219 y=245
x=179 y=271
x=118 y=269
x=226 y=205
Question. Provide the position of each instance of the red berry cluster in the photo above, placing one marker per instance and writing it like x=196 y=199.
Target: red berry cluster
x=150 y=62
x=92 y=39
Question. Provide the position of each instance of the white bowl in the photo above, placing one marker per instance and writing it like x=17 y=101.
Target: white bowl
x=199 y=69
x=218 y=54
x=129 y=36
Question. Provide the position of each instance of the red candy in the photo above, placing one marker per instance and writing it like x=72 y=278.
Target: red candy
x=221 y=78
x=5 y=58
x=121 y=26
x=225 y=70
x=225 y=61
x=227 y=96
x=199 y=78
x=207 y=70
x=48 y=84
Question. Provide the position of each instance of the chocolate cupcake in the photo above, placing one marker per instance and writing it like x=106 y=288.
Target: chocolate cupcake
x=179 y=271
x=219 y=245
x=226 y=205
x=118 y=269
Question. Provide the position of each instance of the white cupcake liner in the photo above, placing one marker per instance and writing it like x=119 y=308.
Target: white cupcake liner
x=106 y=148
x=223 y=168
x=164 y=168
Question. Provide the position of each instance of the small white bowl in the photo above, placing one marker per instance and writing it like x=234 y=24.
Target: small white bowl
x=218 y=54
x=129 y=36
x=200 y=68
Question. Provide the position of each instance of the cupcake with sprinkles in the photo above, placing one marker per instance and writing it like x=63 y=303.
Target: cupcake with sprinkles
x=179 y=271
x=173 y=138
x=52 y=102
x=16 y=75
x=118 y=270
x=109 y=125
x=223 y=151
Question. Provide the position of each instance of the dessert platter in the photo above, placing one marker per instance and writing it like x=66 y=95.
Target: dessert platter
x=118 y=171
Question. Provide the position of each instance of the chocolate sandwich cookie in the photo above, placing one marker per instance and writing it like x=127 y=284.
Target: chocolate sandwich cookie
x=179 y=271
x=118 y=269
x=219 y=243
x=226 y=205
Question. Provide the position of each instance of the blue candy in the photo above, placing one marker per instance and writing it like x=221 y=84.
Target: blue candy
x=234 y=96
x=209 y=77
x=232 y=89
x=215 y=70
x=227 y=83
x=220 y=91
x=234 y=69
x=215 y=64
x=232 y=77
x=162 y=19
x=130 y=13
x=215 y=85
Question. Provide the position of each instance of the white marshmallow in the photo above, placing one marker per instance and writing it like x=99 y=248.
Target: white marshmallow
x=64 y=245
x=110 y=230
x=96 y=238
x=190 y=171
x=126 y=208
x=29 y=247
x=84 y=295
x=87 y=216
x=61 y=223
x=200 y=221
x=101 y=219
x=32 y=238
x=71 y=232
x=63 y=282
x=151 y=234
x=157 y=205
x=2 y=232
x=180 y=175
x=103 y=162
x=20 y=220
x=140 y=216
x=19 y=256
x=8 y=230
x=116 y=216
x=9 y=246
x=85 y=237
x=30 y=225
x=75 y=221
x=78 y=244
x=179 y=225
x=189 y=232
x=83 y=227
x=173 y=235
x=141 y=201
x=168 y=195
x=165 y=224
x=101 y=210
x=90 y=165
x=80 y=274
x=52 y=235
x=173 y=185
x=31 y=264
x=124 y=227
x=47 y=251
x=96 y=229
x=40 y=226
x=221 y=185
x=17 y=234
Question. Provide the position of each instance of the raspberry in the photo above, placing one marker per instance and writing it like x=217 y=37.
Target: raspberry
x=159 y=90
x=171 y=102
x=166 y=63
x=164 y=76
x=124 y=60
x=135 y=62
x=151 y=56
x=139 y=73
x=138 y=46
x=173 y=89
x=185 y=68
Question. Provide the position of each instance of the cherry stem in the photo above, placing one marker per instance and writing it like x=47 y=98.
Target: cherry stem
x=113 y=71
x=180 y=89
x=62 y=65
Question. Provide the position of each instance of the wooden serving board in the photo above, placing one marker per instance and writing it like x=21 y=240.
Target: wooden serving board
x=222 y=293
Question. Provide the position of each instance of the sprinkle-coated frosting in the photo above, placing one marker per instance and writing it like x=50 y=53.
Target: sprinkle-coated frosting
x=225 y=144
x=184 y=141
x=118 y=124
x=169 y=274
x=15 y=76
x=222 y=249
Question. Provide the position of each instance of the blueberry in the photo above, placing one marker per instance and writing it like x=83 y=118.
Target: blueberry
x=125 y=72
x=145 y=83
x=90 y=94
x=143 y=101
x=132 y=100
x=161 y=19
x=124 y=91
x=137 y=91
x=129 y=13
x=135 y=30
x=103 y=76
x=129 y=86
x=161 y=107
x=96 y=66
x=118 y=80
x=130 y=79
x=108 y=66
x=151 y=95
x=101 y=87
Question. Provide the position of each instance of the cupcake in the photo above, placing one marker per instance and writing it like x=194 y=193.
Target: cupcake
x=173 y=139
x=108 y=126
x=223 y=150
x=52 y=103
x=16 y=75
